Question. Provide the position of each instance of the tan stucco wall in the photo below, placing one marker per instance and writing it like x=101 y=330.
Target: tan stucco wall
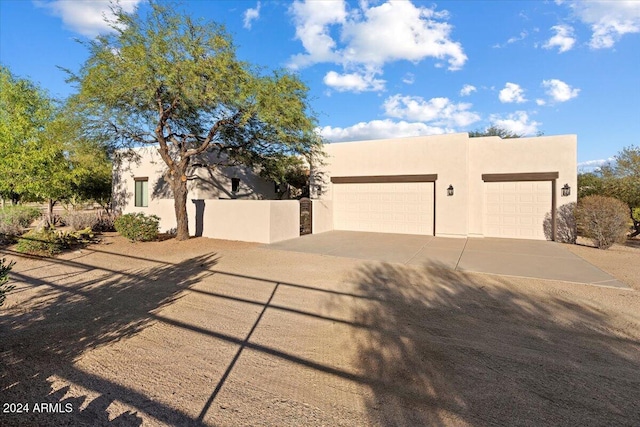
x=459 y=161
x=209 y=184
x=521 y=155
x=263 y=221
x=322 y=216
x=444 y=155
x=284 y=219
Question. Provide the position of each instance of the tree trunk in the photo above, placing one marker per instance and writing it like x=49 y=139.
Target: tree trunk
x=50 y=204
x=180 y=204
x=636 y=225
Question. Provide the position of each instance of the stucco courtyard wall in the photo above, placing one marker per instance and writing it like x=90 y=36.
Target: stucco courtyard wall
x=322 y=216
x=262 y=221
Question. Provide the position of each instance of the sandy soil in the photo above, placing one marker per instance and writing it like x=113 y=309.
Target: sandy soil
x=209 y=332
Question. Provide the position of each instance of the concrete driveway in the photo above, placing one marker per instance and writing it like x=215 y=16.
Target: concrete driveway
x=510 y=257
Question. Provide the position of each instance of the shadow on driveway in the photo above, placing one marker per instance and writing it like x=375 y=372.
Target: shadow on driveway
x=446 y=350
x=509 y=257
x=74 y=314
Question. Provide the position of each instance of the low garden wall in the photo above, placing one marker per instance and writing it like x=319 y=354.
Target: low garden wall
x=322 y=218
x=263 y=221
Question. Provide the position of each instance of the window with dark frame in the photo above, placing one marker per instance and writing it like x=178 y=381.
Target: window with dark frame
x=235 y=184
x=141 y=192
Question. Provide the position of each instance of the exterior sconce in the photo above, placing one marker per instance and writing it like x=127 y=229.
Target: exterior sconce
x=566 y=190
x=319 y=190
x=450 y=190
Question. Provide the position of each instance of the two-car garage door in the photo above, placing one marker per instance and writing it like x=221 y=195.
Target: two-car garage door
x=516 y=209
x=389 y=207
x=512 y=209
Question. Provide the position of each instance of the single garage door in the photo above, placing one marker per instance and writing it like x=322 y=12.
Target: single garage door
x=516 y=209
x=390 y=207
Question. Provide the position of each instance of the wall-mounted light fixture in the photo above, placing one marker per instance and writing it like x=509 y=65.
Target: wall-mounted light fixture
x=319 y=190
x=566 y=190
x=450 y=190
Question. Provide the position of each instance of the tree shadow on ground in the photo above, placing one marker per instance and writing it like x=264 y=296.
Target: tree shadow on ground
x=449 y=348
x=632 y=243
x=73 y=314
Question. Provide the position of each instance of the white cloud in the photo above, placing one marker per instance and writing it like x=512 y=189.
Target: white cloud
x=353 y=82
x=594 y=164
x=438 y=111
x=512 y=92
x=559 y=91
x=251 y=15
x=467 y=90
x=379 y=129
x=540 y=102
x=517 y=122
x=313 y=21
x=88 y=18
x=523 y=35
x=400 y=31
x=609 y=20
x=409 y=79
x=368 y=37
x=564 y=38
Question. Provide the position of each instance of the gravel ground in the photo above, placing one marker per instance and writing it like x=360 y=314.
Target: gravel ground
x=210 y=332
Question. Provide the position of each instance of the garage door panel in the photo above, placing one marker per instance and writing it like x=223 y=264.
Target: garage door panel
x=516 y=209
x=384 y=207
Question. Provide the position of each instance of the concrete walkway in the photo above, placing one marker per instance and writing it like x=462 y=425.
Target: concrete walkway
x=510 y=257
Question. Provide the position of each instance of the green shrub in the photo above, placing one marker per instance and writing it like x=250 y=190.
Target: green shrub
x=80 y=220
x=138 y=227
x=44 y=242
x=4 y=278
x=604 y=220
x=19 y=215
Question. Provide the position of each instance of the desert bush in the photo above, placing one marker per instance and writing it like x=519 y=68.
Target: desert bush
x=4 y=278
x=81 y=220
x=19 y=215
x=8 y=230
x=566 y=229
x=44 y=242
x=604 y=220
x=105 y=222
x=138 y=227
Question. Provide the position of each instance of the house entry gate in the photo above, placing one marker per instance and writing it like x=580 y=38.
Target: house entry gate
x=306 y=212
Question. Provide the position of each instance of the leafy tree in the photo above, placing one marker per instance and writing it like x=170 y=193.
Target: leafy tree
x=89 y=159
x=494 y=130
x=25 y=111
x=166 y=80
x=589 y=184
x=620 y=179
x=288 y=172
x=45 y=152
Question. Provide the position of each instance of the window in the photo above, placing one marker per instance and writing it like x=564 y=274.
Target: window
x=142 y=192
x=235 y=184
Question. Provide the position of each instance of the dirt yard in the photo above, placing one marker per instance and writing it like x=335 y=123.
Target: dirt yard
x=208 y=332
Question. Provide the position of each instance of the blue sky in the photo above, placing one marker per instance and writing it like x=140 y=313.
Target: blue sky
x=378 y=69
